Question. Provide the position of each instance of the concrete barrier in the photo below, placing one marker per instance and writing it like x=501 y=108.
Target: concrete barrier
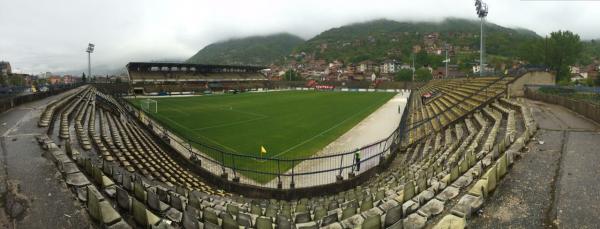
x=584 y=108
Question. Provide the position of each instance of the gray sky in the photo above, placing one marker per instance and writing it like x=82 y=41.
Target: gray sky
x=51 y=35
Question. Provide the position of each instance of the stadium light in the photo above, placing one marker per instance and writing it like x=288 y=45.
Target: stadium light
x=482 y=12
x=90 y=50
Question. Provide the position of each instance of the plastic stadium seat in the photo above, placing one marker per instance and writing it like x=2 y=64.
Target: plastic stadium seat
x=264 y=223
x=393 y=215
x=142 y=216
x=244 y=220
x=372 y=222
x=329 y=219
x=101 y=210
x=229 y=223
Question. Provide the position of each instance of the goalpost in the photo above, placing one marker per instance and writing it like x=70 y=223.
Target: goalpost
x=149 y=106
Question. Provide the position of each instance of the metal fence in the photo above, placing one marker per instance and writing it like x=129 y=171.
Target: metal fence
x=581 y=93
x=272 y=172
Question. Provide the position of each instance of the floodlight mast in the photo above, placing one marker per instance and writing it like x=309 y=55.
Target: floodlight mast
x=482 y=12
x=90 y=50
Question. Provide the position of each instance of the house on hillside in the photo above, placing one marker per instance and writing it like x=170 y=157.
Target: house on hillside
x=592 y=71
x=388 y=67
x=54 y=80
x=366 y=66
x=574 y=70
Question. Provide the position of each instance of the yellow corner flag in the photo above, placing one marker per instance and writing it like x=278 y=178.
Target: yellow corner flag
x=263 y=150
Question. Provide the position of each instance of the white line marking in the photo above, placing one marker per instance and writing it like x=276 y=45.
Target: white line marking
x=325 y=131
x=207 y=138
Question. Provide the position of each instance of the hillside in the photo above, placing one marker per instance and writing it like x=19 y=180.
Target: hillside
x=590 y=52
x=387 y=39
x=257 y=50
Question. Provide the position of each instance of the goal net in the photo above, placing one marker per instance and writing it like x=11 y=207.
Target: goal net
x=149 y=106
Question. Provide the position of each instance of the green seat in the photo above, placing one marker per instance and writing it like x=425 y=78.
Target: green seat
x=141 y=215
x=421 y=183
x=264 y=223
x=232 y=209
x=210 y=216
x=271 y=212
x=409 y=191
x=380 y=195
x=256 y=210
x=451 y=222
x=320 y=212
x=301 y=208
x=393 y=215
x=366 y=204
x=101 y=211
x=229 y=223
x=348 y=212
x=502 y=165
x=139 y=192
x=372 y=222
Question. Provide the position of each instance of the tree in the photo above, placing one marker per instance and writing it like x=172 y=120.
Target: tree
x=292 y=75
x=563 y=50
x=533 y=51
x=423 y=75
x=404 y=75
x=83 y=78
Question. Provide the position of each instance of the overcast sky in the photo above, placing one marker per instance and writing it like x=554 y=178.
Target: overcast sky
x=51 y=35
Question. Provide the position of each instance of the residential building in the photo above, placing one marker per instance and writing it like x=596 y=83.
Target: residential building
x=388 y=67
x=365 y=66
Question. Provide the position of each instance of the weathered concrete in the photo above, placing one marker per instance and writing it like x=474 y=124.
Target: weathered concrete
x=555 y=184
x=517 y=88
x=51 y=203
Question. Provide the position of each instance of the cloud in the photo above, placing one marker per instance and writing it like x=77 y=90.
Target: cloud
x=39 y=36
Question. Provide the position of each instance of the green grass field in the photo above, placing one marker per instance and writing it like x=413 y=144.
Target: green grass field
x=293 y=124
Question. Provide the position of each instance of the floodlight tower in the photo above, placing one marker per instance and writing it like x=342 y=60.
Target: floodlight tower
x=90 y=50
x=482 y=12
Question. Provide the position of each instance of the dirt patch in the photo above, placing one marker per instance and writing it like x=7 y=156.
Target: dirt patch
x=15 y=203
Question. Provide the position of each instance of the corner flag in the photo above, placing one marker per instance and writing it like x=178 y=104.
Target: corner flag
x=263 y=150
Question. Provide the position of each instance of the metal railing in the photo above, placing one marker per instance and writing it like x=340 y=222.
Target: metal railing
x=275 y=172
x=8 y=102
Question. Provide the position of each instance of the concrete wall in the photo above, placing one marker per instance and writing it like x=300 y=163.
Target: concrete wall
x=517 y=88
x=584 y=108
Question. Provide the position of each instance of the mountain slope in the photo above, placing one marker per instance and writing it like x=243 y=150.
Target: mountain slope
x=256 y=50
x=382 y=39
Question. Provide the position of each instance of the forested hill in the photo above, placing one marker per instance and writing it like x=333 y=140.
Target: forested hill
x=383 y=39
x=256 y=50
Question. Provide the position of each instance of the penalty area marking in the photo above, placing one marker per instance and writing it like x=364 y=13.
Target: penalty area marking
x=323 y=132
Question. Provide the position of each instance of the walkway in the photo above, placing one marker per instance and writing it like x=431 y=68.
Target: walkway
x=556 y=183
x=48 y=201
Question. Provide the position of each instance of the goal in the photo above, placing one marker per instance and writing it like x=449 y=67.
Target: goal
x=149 y=106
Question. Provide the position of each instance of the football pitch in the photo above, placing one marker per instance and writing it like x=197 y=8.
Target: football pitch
x=290 y=124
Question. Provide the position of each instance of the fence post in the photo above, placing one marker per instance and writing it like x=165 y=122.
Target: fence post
x=279 y=184
x=339 y=177
x=224 y=174
x=235 y=177
x=292 y=184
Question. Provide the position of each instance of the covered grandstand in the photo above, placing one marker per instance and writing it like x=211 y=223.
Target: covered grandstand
x=166 y=78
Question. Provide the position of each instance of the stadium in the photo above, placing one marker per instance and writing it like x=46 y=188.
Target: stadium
x=198 y=146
